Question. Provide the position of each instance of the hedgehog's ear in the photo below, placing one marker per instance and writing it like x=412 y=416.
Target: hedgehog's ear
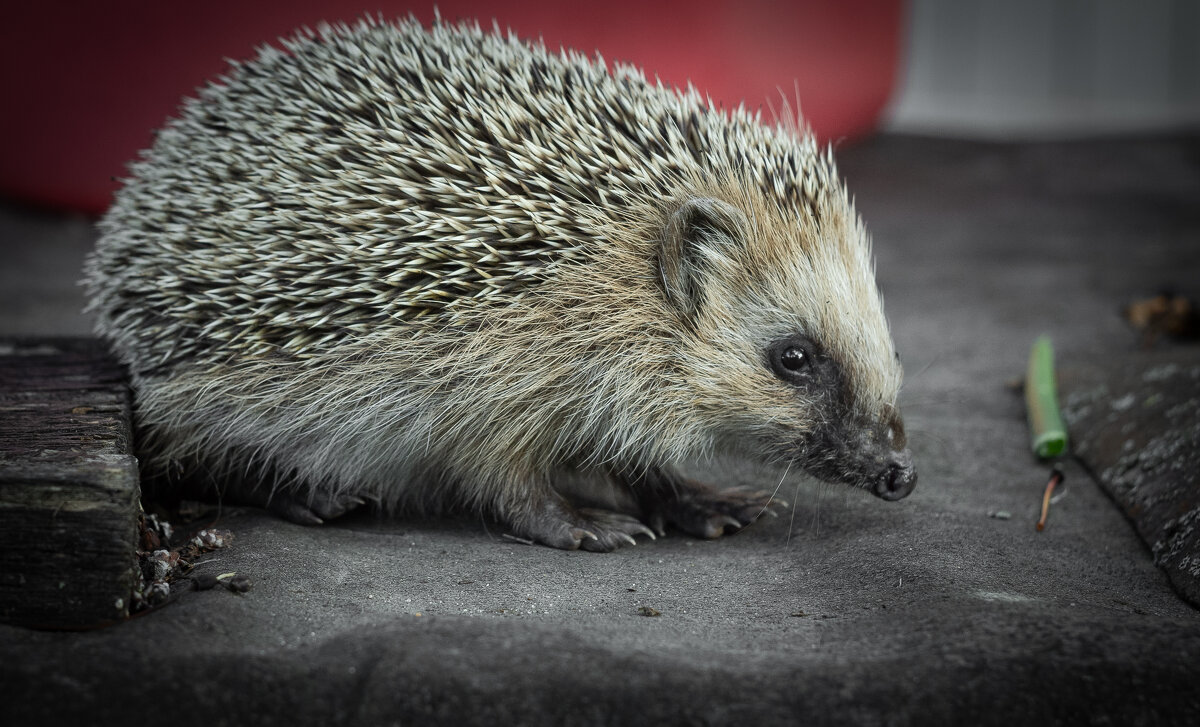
x=695 y=234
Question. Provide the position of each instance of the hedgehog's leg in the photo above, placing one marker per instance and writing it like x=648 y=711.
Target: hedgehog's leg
x=303 y=507
x=552 y=520
x=696 y=508
x=315 y=508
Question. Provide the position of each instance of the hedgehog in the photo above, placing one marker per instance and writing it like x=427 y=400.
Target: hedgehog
x=446 y=269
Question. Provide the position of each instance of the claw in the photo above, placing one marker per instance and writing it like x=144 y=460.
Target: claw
x=658 y=524
x=715 y=527
x=289 y=508
x=306 y=517
x=580 y=535
x=618 y=522
x=559 y=525
x=312 y=510
x=642 y=530
x=702 y=510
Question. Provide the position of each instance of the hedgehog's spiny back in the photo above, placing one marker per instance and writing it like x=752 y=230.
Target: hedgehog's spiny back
x=384 y=174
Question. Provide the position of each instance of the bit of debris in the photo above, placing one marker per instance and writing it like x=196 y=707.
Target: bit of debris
x=648 y=611
x=798 y=614
x=522 y=541
x=1055 y=478
x=211 y=539
x=166 y=571
x=1000 y=514
x=1166 y=314
x=154 y=532
x=231 y=581
x=235 y=582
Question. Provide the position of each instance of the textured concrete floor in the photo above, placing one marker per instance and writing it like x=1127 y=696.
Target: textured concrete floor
x=846 y=610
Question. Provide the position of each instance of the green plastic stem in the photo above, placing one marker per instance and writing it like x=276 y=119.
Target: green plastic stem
x=1047 y=431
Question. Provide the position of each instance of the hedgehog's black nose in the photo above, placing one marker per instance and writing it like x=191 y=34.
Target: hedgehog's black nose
x=898 y=479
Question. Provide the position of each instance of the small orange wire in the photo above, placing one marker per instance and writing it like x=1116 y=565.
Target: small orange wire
x=1055 y=478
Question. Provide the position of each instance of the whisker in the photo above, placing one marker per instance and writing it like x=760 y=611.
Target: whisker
x=925 y=368
x=792 y=522
x=776 y=492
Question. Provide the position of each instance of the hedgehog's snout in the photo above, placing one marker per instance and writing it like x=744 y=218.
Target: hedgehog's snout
x=899 y=477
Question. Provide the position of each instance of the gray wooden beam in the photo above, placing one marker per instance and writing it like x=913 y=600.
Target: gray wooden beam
x=69 y=493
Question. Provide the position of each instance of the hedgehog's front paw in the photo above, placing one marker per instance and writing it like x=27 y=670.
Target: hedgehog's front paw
x=707 y=512
x=313 y=509
x=560 y=526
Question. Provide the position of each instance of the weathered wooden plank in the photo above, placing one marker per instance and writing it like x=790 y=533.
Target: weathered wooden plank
x=1135 y=422
x=68 y=485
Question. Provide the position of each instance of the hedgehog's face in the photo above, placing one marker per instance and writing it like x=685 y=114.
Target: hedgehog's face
x=790 y=356
x=827 y=432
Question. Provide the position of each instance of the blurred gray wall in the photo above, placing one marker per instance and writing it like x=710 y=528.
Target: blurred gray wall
x=1048 y=68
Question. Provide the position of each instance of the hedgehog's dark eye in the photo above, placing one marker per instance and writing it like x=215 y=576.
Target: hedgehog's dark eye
x=791 y=359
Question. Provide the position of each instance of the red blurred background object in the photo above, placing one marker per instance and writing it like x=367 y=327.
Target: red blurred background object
x=85 y=86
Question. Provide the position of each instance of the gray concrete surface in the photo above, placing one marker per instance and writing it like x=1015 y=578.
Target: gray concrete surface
x=846 y=610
